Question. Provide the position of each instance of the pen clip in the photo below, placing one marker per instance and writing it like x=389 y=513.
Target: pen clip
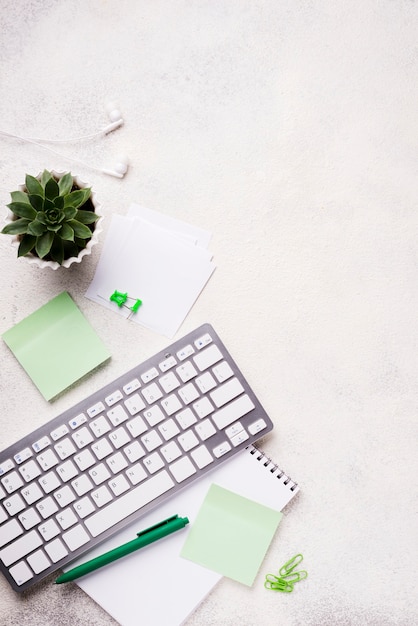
x=163 y=523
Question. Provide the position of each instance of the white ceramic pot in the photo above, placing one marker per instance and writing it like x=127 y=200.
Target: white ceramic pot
x=35 y=260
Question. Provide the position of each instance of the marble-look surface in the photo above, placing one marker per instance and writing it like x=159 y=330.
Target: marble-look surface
x=289 y=130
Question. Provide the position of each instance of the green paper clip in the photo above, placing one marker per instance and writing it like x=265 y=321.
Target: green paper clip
x=290 y=565
x=279 y=584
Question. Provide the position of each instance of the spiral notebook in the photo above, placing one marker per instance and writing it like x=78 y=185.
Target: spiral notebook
x=157 y=585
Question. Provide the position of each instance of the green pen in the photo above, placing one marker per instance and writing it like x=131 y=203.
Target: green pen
x=149 y=535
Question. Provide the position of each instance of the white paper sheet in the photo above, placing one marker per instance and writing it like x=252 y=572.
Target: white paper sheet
x=155 y=586
x=165 y=269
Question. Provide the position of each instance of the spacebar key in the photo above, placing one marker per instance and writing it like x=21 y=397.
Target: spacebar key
x=129 y=503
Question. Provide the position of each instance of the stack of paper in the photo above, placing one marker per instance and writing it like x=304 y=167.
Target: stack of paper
x=160 y=260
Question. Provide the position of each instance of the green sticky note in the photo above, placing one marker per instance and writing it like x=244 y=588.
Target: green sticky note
x=231 y=534
x=56 y=345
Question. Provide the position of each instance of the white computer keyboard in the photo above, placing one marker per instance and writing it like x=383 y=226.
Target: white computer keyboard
x=105 y=462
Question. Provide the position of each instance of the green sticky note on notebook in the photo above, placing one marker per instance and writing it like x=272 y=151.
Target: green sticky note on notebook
x=56 y=345
x=231 y=535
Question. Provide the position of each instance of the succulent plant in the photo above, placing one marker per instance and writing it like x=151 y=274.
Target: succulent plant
x=52 y=217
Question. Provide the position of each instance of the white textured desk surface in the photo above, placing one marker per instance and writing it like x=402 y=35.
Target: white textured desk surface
x=288 y=129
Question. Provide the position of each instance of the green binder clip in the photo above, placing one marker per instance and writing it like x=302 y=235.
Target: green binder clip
x=121 y=299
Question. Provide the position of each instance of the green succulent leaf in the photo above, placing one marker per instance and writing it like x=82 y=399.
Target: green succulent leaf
x=44 y=243
x=17 y=227
x=86 y=217
x=20 y=196
x=45 y=177
x=66 y=232
x=59 y=202
x=34 y=186
x=57 y=250
x=65 y=184
x=51 y=189
x=36 y=228
x=70 y=213
x=27 y=244
x=37 y=202
x=21 y=209
x=80 y=230
x=77 y=198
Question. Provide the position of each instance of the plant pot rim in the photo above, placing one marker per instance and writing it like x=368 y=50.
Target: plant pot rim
x=54 y=265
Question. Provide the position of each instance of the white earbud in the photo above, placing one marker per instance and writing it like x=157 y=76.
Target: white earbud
x=120 y=168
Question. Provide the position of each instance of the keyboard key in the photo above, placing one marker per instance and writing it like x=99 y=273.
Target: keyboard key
x=47 y=460
x=100 y=426
x=203 y=407
x=6 y=466
x=29 y=471
x=169 y=382
x=205 y=429
x=75 y=537
x=203 y=341
x=41 y=444
x=49 y=530
x=186 y=371
x=9 y=530
x=82 y=437
x=20 y=548
x=101 y=496
x=14 y=504
x=117 y=462
x=117 y=415
x=49 y=482
x=153 y=462
x=84 y=507
x=56 y=550
x=59 y=432
x=188 y=440
x=152 y=393
x=154 y=416
x=114 y=397
x=129 y=503
x=185 y=352
x=38 y=561
x=134 y=404
x=99 y=474
x=169 y=429
x=222 y=449
x=134 y=451
x=136 y=474
x=29 y=519
x=208 y=356
x=22 y=456
x=222 y=371
x=77 y=421
x=82 y=484
x=167 y=364
x=64 y=496
x=149 y=375
x=94 y=410
x=66 y=471
x=136 y=426
x=102 y=449
x=132 y=386
x=119 y=437
x=226 y=392
x=201 y=456
x=47 y=507
x=186 y=418
x=188 y=393
x=66 y=518
x=21 y=573
x=84 y=460
x=233 y=411
x=205 y=382
x=171 y=452
x=12 y=482
x=65 y=448
x=257 y=426
x=171 y=404
x=182 y=469
x=151 y=440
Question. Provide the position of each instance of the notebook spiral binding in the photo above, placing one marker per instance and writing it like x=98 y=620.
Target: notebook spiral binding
x=273 y=468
